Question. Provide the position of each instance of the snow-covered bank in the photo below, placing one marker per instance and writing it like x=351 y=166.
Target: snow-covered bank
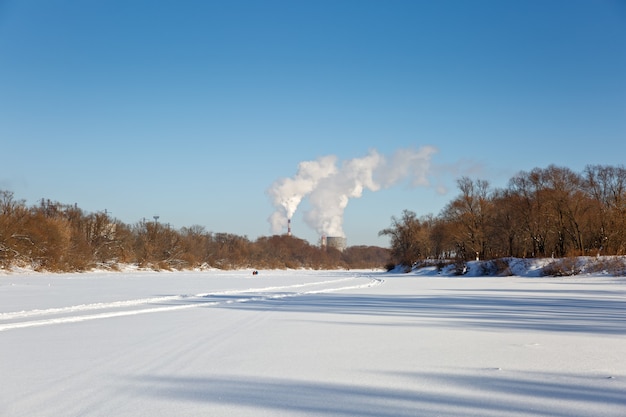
x=311 y=343
x=523 y=267
x=526 y=267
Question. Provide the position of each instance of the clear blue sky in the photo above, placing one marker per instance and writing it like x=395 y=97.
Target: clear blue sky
x=190 y=110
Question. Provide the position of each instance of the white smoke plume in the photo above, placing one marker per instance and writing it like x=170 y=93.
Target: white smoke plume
x=329 y=188
x=287 y=193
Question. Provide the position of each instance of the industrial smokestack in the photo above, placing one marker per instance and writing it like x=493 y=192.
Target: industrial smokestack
x=288 y=227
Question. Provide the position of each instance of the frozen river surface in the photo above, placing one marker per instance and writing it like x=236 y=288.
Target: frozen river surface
x=310 y=343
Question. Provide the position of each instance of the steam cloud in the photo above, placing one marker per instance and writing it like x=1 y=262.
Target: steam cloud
x=329 y=187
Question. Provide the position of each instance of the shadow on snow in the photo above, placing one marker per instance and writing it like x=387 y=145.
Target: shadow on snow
x=485 y=309
x=463 y=395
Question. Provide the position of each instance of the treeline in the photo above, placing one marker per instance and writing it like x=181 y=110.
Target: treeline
x=547 y=212
x=57 y=237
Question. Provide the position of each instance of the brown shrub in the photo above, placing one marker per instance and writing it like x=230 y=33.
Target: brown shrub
x=563 y=267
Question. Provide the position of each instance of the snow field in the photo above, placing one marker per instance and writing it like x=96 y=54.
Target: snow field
x=311 y=343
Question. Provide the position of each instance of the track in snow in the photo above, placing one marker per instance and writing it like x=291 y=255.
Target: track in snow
x=95 y=311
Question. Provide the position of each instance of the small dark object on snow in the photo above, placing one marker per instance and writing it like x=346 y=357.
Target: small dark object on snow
x=255 y=272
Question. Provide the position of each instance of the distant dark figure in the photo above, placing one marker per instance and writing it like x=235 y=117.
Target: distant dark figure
x=255 y=272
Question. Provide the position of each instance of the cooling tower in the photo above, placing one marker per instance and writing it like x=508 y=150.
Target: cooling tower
x=339 y=243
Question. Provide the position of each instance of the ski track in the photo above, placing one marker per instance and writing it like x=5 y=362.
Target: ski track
x=32 y=318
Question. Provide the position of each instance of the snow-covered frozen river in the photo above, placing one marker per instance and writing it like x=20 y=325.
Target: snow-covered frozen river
x=310 y=343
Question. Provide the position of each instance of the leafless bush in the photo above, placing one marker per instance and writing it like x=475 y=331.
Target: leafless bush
x=562 y=267
x=610 y=265
x=498 y=267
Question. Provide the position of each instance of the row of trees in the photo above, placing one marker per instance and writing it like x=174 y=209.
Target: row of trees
x=547 y=212
x=57 y=237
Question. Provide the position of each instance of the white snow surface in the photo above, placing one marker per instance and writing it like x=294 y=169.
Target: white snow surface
x=311 y=343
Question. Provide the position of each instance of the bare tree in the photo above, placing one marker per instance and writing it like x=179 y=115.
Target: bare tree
x=527 y=186
x=408 y=238
x=471 y=212
x=606 y=186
